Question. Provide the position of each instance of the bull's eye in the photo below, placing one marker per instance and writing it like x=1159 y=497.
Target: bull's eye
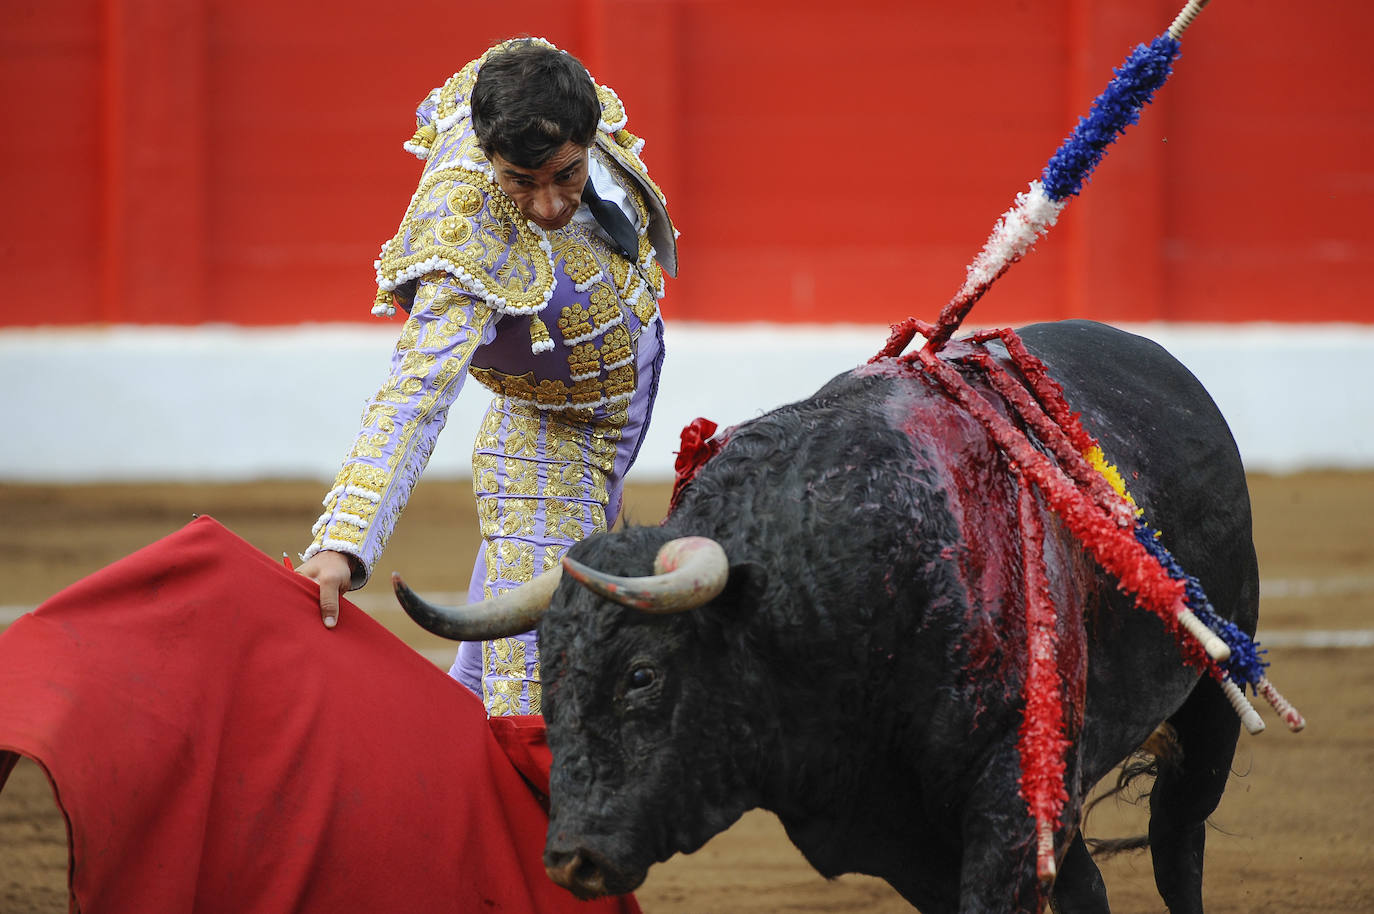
x=641 y=677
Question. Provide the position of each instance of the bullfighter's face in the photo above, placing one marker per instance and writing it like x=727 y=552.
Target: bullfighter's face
x=548 y=195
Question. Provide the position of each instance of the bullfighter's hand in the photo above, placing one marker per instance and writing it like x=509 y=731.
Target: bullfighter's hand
x=332 y=571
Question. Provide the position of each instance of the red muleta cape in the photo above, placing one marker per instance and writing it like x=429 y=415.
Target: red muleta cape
x=214 y=748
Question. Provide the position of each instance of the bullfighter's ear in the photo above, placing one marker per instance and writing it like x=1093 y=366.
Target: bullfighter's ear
x=746 y=586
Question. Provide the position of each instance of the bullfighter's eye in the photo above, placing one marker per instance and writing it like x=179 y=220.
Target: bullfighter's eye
x=641 y=677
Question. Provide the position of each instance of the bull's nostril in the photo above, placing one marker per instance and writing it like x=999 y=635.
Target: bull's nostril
x=588 y=874
x=561 y=868
x=577 y=874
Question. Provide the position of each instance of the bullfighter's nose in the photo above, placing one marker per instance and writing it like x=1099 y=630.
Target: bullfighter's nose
x=576 y=873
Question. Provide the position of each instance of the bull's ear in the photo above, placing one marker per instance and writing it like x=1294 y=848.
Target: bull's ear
x=746 y=585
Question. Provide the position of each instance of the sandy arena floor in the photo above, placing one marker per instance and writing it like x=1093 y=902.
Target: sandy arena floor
x=1294 y=834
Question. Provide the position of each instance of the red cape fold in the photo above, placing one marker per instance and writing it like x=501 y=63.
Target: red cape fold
x=214 y=748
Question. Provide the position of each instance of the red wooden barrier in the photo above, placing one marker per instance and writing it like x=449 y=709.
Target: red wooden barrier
x=183 y=161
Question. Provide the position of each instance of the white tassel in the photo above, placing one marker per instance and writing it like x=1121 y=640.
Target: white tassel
x=1249 y=718
x=1216 y=648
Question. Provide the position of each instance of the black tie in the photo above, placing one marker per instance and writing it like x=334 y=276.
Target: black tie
x=611 y=218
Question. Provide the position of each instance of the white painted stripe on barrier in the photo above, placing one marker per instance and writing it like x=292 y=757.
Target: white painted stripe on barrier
x=726 y=372
x=1291 y=588
x=441 y=657
x=1317 y=638
x=380 y=603
x=9 y=614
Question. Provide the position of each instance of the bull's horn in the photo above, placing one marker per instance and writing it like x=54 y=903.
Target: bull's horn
x=511 y=613
x=688 y=572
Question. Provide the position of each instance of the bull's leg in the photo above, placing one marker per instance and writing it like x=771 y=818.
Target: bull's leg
x=1186 y=794
x=997 y=874
x=1079 y=888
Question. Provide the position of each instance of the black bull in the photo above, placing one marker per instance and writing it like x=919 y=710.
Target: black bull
x=861 y=674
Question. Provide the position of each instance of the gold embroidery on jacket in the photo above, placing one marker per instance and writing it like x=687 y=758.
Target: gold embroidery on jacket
x=578 y=263
x=615 y=348
x=470 y=245
x=465 y=200
x=575 y=322
x=369 y=446
x=605 y=307
x=380 y=416
x=583 y=359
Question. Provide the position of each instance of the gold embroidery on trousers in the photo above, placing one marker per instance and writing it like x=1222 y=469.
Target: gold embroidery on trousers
x=493 y=563
x=488 y=514
x=503 y=662
x=536 y=687
x=564 y=519
x=522 y=476
x=488 y=434
x=523 y=438
x=410 y=333
x=553 y=555
x=517 y=561
x=566 y=481
x=517 y=516
x=483 y=473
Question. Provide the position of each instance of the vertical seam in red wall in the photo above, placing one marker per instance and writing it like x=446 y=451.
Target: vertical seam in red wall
x=1076 y=244
x=113 y=121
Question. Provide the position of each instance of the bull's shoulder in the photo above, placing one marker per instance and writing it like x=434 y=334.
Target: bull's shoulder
x=853 y=383
x=1130 y=390
x=1088 y=357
